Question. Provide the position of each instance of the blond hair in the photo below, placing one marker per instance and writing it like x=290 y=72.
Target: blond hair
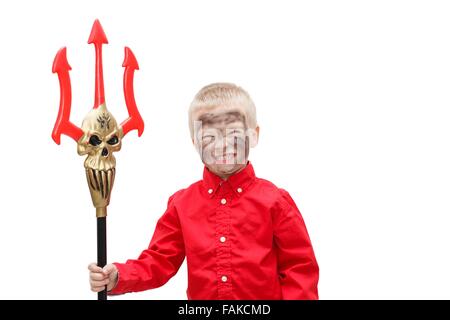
x=226 y=96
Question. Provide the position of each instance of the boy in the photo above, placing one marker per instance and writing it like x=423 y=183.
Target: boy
x=243 y=237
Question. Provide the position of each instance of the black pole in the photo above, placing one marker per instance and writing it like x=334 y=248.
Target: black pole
x=101 y=249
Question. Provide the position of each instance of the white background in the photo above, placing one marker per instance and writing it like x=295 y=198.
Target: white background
x=353 y=103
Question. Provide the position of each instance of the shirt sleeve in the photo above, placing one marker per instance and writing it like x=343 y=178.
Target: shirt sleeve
x=297 y=266
x=159 y=262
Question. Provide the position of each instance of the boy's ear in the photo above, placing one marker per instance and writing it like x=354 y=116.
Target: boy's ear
x=254 y=137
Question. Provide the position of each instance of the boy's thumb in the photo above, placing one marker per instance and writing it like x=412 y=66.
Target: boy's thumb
x=108 y=269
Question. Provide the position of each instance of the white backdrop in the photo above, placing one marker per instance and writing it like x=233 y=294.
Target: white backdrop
x=353 y=103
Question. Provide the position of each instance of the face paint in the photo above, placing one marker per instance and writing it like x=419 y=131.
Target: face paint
x=222 y=142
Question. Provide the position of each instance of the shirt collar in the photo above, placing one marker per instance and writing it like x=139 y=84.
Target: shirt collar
x=238 y=181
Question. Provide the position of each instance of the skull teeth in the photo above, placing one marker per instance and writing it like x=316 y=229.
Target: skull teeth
x=101 y=181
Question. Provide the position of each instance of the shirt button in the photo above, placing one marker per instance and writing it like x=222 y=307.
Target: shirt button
x=223 y=201
x=224 y=278
x=210 y=191
x=239 y=190
x=223 y=239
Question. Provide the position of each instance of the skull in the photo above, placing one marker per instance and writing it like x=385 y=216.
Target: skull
x=102 y=136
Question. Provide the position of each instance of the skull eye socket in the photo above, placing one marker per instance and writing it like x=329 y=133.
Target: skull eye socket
x=114 y=140
x=94 y=140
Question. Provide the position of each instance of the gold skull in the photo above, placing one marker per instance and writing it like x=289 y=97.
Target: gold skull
x=102 y=137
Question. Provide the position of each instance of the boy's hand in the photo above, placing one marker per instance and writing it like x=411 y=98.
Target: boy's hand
x=99 y=278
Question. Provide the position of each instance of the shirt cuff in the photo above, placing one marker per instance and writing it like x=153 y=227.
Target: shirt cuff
x=123 y=279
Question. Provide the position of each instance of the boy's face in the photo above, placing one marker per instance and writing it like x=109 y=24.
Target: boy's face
x=222 y=141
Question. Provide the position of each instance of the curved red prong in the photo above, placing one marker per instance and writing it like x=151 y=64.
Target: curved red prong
x=134 y=121
x=98 y=38
x=63 y=125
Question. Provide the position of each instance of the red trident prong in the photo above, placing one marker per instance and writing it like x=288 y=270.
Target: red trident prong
x=134 y=121
x=62 y=67
x=63 y=124
x=98 y=38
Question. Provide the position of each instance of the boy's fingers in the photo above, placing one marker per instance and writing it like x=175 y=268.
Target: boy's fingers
x=94 y=268
x=98 y=289
x=97 y=276
x=101 y=283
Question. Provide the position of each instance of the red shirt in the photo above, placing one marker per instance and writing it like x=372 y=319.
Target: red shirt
x=243 y=238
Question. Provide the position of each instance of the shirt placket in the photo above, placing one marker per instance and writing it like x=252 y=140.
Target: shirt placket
x=223 y=243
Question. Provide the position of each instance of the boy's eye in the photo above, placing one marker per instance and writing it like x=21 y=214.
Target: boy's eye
x=208 y=139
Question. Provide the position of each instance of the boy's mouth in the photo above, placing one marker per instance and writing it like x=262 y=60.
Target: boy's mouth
x=226 y=159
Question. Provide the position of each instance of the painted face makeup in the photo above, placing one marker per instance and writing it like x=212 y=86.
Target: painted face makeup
x=222 y=142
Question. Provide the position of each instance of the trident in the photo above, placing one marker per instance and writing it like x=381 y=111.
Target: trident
x=100 y=135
